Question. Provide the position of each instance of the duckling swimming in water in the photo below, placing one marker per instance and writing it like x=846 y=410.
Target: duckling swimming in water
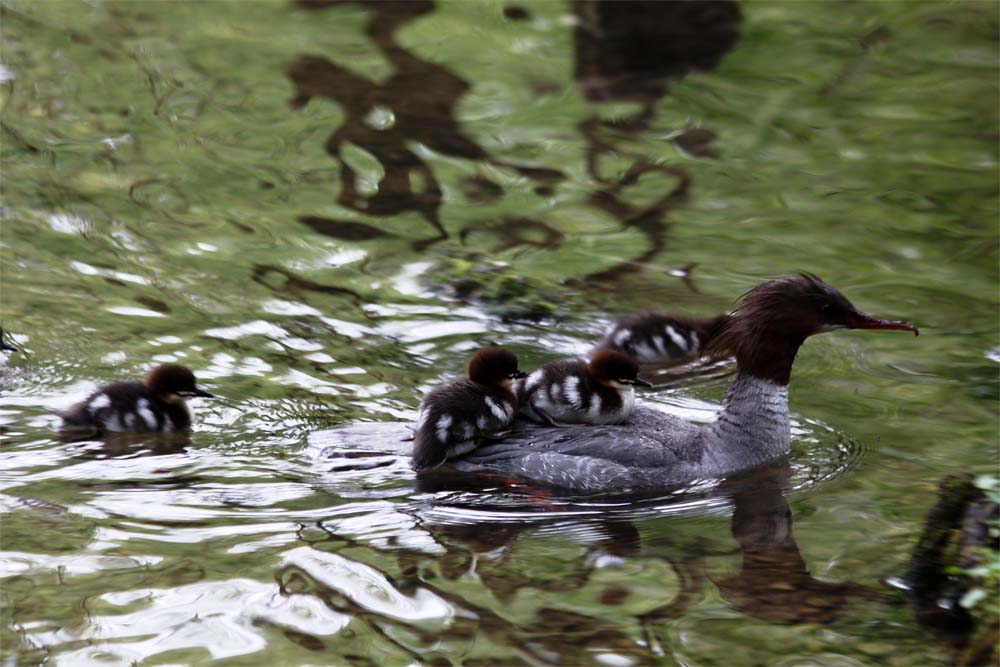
x=156 y=405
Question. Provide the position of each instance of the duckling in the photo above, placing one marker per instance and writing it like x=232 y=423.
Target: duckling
x=456 y=417
x=573 y=391
x=652 y=338
x=156 y=405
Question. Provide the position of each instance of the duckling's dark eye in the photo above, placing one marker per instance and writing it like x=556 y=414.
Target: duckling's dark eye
x=826 y=308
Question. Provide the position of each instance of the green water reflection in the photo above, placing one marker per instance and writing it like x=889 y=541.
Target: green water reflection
x=322 y=207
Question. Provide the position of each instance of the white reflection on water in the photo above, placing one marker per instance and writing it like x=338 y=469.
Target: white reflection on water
x=316 y=385
x=291 y=308
x=13 y=563
x=133 y=311
x=368 y=587
x=334 y=259
x=88 y=270
x=344 y=328
x=220 y=617
x=68 y=224
x=166 y=340
x=226 y=365
x=255 y=328
x=105 y=538
x=201 y=248
x=419 y=330
x=407 y=280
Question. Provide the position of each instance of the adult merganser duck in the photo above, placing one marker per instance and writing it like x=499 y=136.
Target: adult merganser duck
x=573 y=391
x=652 y=338
x=454 y=418
x=136 y=407
x=657 y=451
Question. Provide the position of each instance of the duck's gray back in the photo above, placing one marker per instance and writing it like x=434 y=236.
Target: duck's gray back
x=651 y=450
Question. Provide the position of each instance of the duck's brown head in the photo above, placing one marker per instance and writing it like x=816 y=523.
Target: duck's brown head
x=493 y=366
x=616 y=369
x=772 y=320
x=172 y=383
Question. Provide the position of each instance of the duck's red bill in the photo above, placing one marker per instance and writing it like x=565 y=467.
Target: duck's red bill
x=862 y=321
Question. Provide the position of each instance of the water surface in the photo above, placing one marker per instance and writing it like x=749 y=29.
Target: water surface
x=323 y=207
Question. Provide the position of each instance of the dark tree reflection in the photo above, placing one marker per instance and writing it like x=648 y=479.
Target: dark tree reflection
x=420 y=98
x=631 y=51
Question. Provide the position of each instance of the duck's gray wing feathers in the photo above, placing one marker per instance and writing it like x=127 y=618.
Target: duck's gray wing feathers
x=556 y=469
x=651 y=449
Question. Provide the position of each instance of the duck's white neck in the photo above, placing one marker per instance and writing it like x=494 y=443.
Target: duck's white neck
x=753 y=426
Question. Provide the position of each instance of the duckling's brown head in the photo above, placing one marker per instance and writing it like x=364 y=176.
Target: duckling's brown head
x=493 y=366
x=613 y=368
x=172 y=383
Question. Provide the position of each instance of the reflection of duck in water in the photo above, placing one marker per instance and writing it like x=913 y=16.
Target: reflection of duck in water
x=774 y=582
x=156 y=405
x=654 y=450
x=456 y=417
x=573 y=391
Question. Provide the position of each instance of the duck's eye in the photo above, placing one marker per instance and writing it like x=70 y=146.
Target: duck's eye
x=826 y=308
